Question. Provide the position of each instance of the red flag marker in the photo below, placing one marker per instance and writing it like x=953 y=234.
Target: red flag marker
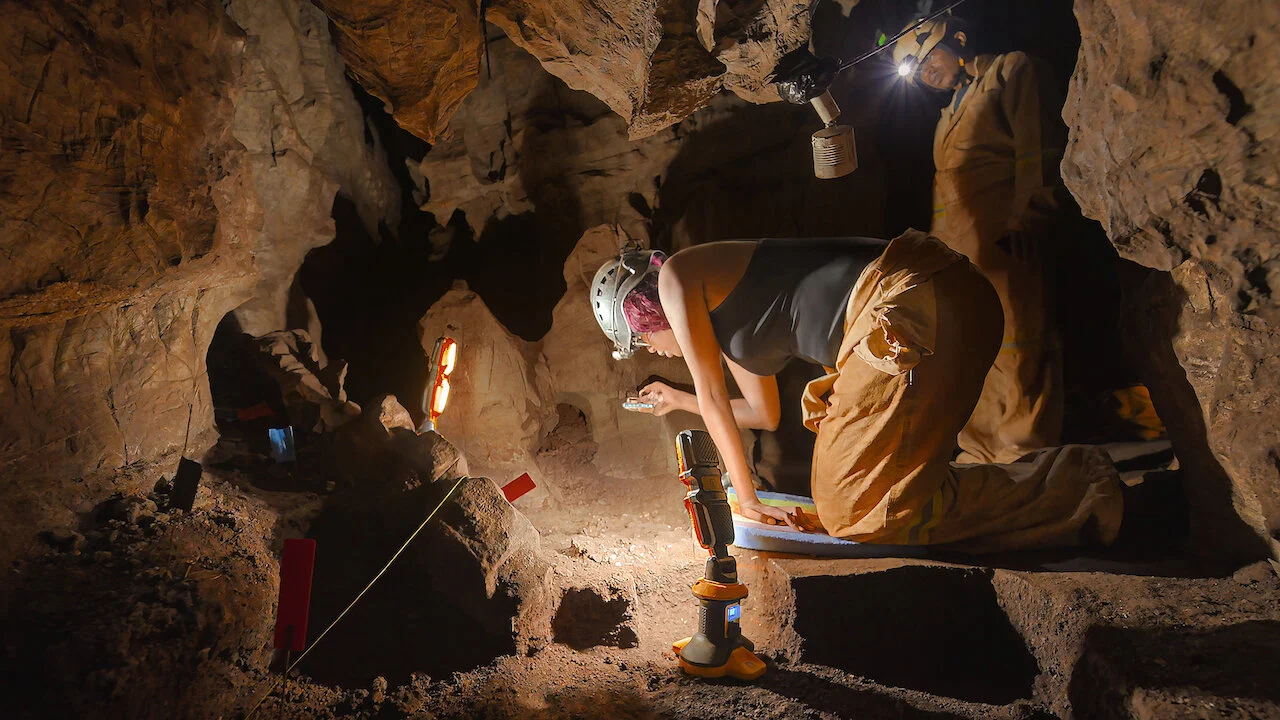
x=254 y=412
x=297 y=564
x=518 y=487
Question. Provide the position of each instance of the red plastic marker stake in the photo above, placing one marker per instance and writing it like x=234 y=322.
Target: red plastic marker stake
x=254 y=412
x=297 y=563
x=518 y=487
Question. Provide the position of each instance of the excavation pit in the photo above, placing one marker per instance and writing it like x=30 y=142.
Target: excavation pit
x=588 y=617
x=935 y=629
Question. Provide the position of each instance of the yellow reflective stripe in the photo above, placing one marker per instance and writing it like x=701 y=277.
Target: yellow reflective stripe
x=936 y=503
x=942 y=210
x=930 y=516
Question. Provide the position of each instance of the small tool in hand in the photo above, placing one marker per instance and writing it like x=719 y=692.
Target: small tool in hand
x=635 y=404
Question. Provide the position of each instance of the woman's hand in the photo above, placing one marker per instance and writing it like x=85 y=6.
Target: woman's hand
x=795 y=518
x=665 y=398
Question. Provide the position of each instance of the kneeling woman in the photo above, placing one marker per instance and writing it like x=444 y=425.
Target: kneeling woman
x=907 y=331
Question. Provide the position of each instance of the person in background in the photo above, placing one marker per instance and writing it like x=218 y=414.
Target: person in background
x=996 y=194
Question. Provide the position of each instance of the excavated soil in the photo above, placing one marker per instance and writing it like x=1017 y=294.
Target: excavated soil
x=1031 y=638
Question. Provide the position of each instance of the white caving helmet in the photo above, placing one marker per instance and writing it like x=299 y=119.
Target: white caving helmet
x=613 y=282
x=911 y=50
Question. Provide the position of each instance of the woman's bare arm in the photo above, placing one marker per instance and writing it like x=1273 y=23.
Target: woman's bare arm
x=684 y=302
x=758 y=409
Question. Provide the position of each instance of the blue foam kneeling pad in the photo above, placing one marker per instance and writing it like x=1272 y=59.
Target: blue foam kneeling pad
x=752 y=535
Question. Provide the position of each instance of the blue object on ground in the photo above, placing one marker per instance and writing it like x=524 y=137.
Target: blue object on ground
x=282 y=444
x=752 y=535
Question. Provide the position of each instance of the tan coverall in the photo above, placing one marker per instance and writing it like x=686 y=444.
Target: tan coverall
x=921 y=329
x=997 y=171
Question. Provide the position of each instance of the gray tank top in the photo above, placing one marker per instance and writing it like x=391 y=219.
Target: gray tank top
x=791 y=300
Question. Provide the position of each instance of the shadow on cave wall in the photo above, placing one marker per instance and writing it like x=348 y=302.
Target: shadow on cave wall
x=1152 y=303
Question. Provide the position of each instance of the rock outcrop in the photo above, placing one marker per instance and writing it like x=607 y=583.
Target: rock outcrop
x=653 y=64
x=312 y=389
x=1175 y=116
x=161 y=167
x=421 y=58
x=305 y=140
x=500 y=400
x=478 y=564
x=117 y=171
x=523 y=143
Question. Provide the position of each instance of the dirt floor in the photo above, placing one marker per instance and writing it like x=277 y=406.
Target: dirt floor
x=1085 y=635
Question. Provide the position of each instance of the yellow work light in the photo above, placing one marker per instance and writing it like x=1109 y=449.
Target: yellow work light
x=444 y=358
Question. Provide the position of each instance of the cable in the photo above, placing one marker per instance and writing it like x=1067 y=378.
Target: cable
x=290 y=666
x=889 y=43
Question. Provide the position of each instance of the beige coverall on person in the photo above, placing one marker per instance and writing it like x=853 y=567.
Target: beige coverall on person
x=921 y=328
x=996 y=156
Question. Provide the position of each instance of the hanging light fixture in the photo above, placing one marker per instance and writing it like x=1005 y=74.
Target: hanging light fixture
x=444 y=358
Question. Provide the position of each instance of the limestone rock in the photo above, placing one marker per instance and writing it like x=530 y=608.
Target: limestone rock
x=643 y=60
x=487 y=553
x=1173 y=130
x=382 y=449
x=477 y=564
x=305 y=140
x=421 y=57
x=749 y=37
x=117 y=264
x=653 y=64
x=311 y=388
x=500 y=401
x=522 y=142
x=1171 y=146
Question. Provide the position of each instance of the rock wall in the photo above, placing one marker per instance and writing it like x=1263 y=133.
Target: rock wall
x=652 y=63
x=161 y=168
x=500 y=401
x=584 y=374
x=1174 y=112
x=117 y=169
x=421 y=58
x=305 y=139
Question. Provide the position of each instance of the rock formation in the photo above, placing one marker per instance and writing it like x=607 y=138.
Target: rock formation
x=310 y=387
x=1174 y=122
x=421 y=58
x=500 y=400
x=653 y=64
x=119 y=260
x=161 y=168
x=305 y=140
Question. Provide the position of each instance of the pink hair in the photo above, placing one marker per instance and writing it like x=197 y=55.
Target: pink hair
x=641 y=307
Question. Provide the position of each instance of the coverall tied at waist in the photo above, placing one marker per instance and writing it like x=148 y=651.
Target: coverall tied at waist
x=996 y=154
x=921 y=328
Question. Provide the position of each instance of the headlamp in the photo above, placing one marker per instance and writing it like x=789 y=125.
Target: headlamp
x=908 y=67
